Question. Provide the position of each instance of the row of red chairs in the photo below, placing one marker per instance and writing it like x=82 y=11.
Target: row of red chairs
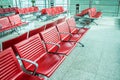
x=56 y=40
x=7 y=10
x=92 y=12
x=10 y=22
x=27 y=10
x=53 y=11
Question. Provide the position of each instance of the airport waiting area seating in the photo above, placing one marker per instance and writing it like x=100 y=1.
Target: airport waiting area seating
x=52 y=12
x=8 y=10
x=28 y=10
x=91 y=12
x=11 y=23
x=42 y=50
x=10 y=68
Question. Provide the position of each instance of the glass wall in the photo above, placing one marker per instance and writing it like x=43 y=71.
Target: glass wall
x=108 y=7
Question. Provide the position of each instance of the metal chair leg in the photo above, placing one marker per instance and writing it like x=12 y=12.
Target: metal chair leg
x=82 y=45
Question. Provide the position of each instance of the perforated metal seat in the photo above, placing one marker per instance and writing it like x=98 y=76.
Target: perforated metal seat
x=10 y=68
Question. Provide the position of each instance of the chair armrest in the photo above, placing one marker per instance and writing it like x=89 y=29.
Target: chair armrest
x=0 y=26
x=52 y=43
x=32 y=62
x=67 y=33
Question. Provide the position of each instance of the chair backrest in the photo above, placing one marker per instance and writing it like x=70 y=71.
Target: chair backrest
x=61 y=9
x=31 y=9
x=71 y=23
x=4 y=23
x=9 y=66
x=92 y=12
x=12 y=9
x=36 y=9
x=53 y=11
x=51 y=24
x=15 y=19
x=49 y=11
x=1 y=10
x=31 y=48
x=63 y=27
x=26 y=10
x=36 y=31
x=12 y=42
x=20 y=11
x=50 y=35
x=6 y=10
x=43 y=11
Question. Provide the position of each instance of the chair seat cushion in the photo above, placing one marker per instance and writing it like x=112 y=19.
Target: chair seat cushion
x=48 y=64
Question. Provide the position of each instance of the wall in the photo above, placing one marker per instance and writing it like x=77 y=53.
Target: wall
x=6 y=3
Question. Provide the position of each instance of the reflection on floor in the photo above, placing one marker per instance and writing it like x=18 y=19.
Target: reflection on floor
x=98 y=60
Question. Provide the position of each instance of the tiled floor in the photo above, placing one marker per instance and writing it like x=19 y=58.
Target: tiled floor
x=98 y=60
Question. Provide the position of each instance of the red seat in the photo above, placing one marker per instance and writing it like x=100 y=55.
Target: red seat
x=76 y=30
x=49 y=25
x=33 y=49
x=31 y=9
x=12 y=9
x=36 y=31
x=65 y=34
x=20 y=11
x=26 y=10
x=53 y=43
x=43 y=11
x=10 y=68
x=4 y=24
x=73 y=28
x=36 y=9
x=12 y=42
x=16 y=20
x=53 y=11
x=94 y=14
x=1 y=10
x=6 y=10
x=49 y=11
x=83 y=12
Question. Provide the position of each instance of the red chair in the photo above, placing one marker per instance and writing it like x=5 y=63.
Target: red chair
x=31 y=9
x=33 y=49
x=16 y=20
x=36 y=31
x=26 y=10
x=6 y=10
x=76 y=30
x=5 y=24
x=1 y=11
x=49 y=11
x=94 y=14
x=49 y=25
x=43 y=11
x=65 y=34
x=36 y=9
x=10 y=68
x=19 y=11
x=12 y=42
x=83 y=12
x=73 y=28
x=53 y=43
